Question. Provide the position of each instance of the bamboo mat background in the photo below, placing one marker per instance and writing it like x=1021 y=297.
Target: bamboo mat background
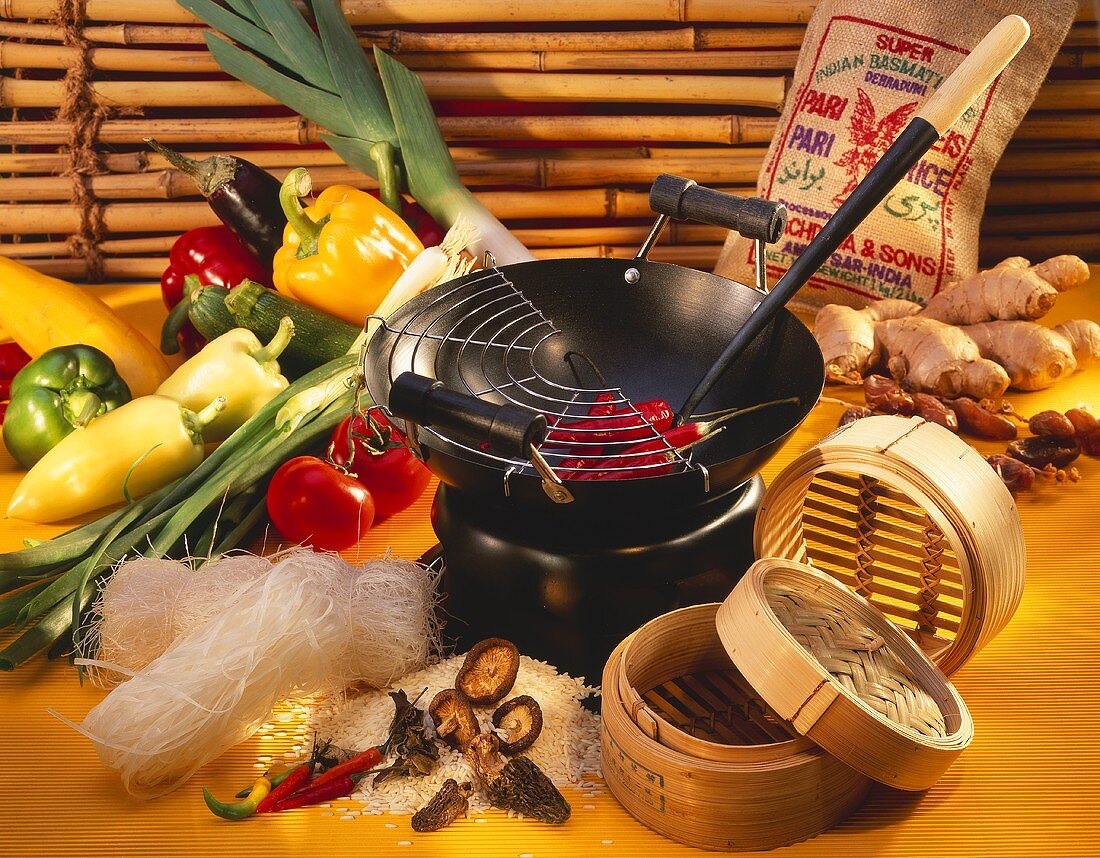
x=559 y=114
x=1028 y=786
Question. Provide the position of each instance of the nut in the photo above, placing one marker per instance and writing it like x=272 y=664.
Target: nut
x=489 y=671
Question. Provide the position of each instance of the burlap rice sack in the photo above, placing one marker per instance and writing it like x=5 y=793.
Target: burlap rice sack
x=863 y=71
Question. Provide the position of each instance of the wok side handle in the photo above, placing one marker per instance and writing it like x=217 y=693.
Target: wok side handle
x=756 y=219
x=959 y=91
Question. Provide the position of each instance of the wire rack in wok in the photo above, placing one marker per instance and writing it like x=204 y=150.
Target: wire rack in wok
x=482 y=336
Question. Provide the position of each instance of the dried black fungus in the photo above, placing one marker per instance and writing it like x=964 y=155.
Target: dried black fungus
x=517 y=784
x=454 y=718
x=489 y=671
x=415 y=752
x=521 y=720
x=447 y=805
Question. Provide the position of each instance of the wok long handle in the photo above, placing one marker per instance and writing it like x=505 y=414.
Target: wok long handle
x=508 y=429
x=976 y=72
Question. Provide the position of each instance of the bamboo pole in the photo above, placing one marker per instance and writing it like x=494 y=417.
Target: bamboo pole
x=38 y=56
x=1023 y=223
x=111 y=34
x=1068 y=95
x=1078 y=58
x=119 y=246
x=520 y=86
x=114 y=267
x=1048 y=191
x=375 y=12
x=291 y=130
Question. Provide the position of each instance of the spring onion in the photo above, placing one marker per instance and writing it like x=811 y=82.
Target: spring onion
x=383 y=126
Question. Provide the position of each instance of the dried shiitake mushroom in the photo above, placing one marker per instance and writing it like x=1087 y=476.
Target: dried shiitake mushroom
x=454 y=718
x=489 y=671
x=517 y=784
x=521 y=720
x=447 y=805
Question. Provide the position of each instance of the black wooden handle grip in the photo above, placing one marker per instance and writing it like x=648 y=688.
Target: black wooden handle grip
x=508 y=429
x=682 y=199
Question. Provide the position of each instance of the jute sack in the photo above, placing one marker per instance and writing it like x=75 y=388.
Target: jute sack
x=863 y=71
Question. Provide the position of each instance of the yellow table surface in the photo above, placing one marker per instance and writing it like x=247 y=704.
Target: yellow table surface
x=1028 y=785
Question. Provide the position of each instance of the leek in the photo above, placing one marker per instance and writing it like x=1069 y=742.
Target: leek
x=383 y=126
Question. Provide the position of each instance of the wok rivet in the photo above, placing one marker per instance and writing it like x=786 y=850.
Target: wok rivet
x=632 y=276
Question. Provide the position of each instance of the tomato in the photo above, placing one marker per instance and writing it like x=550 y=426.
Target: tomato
x=313 y=502
x=381 y=462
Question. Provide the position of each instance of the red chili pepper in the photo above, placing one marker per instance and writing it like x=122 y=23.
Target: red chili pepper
x=218 y=257
x=337 y=788
x=604 y=406
x=632 y=425
x=12 y=359
x=357 y=765
x=298 y=778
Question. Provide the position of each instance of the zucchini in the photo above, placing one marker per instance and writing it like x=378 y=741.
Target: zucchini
x=318 y=337
x=208 y=312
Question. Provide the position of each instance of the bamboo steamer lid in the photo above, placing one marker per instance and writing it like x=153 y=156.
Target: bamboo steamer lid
x=843 y=675
x=912 y=518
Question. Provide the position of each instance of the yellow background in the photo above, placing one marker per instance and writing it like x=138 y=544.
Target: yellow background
x=1028 y=786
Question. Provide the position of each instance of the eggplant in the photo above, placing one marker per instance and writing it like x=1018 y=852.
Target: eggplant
x=245 y=197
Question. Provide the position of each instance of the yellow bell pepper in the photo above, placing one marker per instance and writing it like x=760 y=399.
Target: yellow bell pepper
x=343 y=253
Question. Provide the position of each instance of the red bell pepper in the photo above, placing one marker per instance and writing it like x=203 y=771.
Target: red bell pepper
x=12 y=359
x=218 y=258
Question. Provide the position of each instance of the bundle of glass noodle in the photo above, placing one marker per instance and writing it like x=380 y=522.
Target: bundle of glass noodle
x=309 y=624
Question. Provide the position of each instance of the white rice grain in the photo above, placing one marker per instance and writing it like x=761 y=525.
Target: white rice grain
x=568 y=749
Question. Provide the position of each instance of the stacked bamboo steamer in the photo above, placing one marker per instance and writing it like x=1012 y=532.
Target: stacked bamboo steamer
x=891 y=554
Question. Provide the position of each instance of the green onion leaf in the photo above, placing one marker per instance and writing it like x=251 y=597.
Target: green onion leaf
x=298 y=41
x=356 y=80
x=248 y=34
x=320 y=106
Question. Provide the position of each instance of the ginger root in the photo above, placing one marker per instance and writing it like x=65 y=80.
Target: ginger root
x=973 y=339
x=999 y=293
x=1084 y=338
x=928 y=355
x=847 y=336
x=1033 y=356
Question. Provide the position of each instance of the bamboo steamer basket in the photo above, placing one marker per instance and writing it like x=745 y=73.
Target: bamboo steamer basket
x=910 y=517
x=891 y=554
x=693 y=752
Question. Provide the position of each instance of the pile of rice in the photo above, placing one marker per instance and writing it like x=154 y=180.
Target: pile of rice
x=568 y=749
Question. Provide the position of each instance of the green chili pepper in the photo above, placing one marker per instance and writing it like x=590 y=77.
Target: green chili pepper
x=238 y=809
x=61 y=389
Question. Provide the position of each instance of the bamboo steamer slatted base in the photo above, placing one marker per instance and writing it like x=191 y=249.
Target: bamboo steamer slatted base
x=912 y=518
x=690 y=750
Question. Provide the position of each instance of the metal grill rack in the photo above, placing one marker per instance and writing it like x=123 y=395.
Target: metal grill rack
x=482 y=336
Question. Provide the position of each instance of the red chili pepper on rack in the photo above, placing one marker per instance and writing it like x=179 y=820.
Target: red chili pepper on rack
x=341 y=786
x=632 y=425
x=605 y=407
x=218 y=258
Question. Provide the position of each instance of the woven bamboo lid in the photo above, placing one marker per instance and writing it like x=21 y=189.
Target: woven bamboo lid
x=846 y=677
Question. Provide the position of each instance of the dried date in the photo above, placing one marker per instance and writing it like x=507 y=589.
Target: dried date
x=1041 y=452
x=885 y=397
x=1051 y=424
x=934 y=411
x=977 y=421
x=856 y=412
x=1083 y=422
x=1015 y=474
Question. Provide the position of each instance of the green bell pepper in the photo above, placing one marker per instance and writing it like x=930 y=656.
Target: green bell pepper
x=61 y=389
